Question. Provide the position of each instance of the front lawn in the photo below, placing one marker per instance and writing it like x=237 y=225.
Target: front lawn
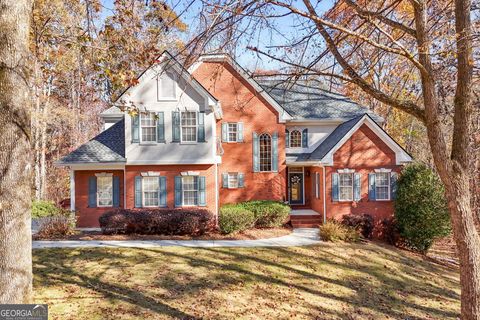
x=328 y=281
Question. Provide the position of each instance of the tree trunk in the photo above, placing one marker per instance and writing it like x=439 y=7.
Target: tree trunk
x=15 y=154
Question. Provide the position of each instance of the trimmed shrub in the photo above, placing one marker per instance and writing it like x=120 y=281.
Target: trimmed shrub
x=42 y=208
x=421 y=210
x=334 y=231
x=363 y=223
x=234 y=218
x=56 y=227
x=192 y=221
x=268 y=214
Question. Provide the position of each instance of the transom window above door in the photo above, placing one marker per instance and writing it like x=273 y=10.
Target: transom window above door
x=295 y=139
x=189 y=126
x=148 y=127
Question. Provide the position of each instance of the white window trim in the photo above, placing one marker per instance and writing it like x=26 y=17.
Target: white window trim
x=290 y=139
x=141 y=129
x=346 y=170
x=159 y=87
x=317 y=185
x=228 y=132
x=228 y=180
x=340 y=186
x=196 y=127
x=104 y=175
x=150 y=174
x=382 y=170
x=388 y=184
x=143 y=194
x=183 y=192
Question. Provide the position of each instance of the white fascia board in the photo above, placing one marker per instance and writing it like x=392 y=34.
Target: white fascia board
x=171 y=162
x=401 y=156
x=303 y=163
x=93 y=166
x=283 y=115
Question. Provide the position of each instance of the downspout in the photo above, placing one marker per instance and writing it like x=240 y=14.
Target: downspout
x=216 y=193
x=124 y=187
x=324 y=197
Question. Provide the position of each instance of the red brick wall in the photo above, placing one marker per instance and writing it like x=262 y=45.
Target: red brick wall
x=364 y=152
x=88 y=217
x=170 y=171
x=240 y=103
x=316 y=203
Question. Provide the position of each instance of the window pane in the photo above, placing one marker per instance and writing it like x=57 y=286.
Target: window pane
x=148 y=124
x=382 y=185
x=104 y=191
x=232 y=132
x=265 y=152
x=150 y=191
x=346 y=186
x=189 y=126
x=233 y=180
x=295 y=139
x=190 y=191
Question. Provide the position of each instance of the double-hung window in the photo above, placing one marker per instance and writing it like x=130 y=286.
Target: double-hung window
x=345 y=186
x=265 y=152
x=232 y=134
x=104 y=191
x=189 y=126
x=232 y=180
x=148 y=127
x=190 y=190
x=382 y=185
x=151 y=189
x=295 y=139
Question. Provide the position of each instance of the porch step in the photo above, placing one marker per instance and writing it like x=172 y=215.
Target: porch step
x=306 y=221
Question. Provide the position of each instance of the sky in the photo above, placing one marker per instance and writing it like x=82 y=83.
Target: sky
x=265 y=38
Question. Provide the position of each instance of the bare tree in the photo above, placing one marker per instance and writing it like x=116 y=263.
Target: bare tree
x=15 y=154
x=432 y=46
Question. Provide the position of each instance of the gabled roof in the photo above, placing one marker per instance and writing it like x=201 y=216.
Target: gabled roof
x=325 y=151
x=107 y=147
x=310 y=100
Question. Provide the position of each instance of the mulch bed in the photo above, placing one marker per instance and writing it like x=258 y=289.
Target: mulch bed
x=251 y=234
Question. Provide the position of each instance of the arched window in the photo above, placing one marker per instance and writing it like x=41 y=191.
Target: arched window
x=295 y=139
x=265 y=152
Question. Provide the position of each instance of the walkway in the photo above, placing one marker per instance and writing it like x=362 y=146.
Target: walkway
x=299 y=237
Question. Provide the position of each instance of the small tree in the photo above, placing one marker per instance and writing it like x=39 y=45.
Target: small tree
x=421 y=208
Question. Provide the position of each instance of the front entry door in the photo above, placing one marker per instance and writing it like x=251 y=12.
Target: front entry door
x=295 y=181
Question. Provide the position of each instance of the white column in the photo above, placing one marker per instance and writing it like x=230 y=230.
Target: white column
x=72 y=190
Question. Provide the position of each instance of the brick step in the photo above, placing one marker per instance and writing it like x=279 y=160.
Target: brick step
x=306 y=225
x=308 y=216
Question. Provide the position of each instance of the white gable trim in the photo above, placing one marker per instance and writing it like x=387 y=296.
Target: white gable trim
x=166 y=59
x=283 y=114
x=401 y=156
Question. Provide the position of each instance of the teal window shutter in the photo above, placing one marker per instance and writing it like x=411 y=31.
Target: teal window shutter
x=116 y=191
x=225 y=180
x=175 y=126
x=224 y=132
x=160 y=127
x=305 y=138
x=201 y=126
x=357 y=186
x=92 y=192
x=287 y=139
x=178 y=191
x=371 y=186
x=256 y=153
x=275 y=152
x=335 y=187
x=241 y=180
x=202 y=199
x=138 y=192
x=393 y=185
x=240 y=132
x=136 y=129
x=162 y=195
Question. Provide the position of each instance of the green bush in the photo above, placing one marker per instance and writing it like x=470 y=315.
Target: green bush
x=421 y=211
x=234 y=218
x=334 y=231
x=268 y=214
x=42 y=208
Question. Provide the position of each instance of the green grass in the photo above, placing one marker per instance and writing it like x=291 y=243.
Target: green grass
x=329 y=281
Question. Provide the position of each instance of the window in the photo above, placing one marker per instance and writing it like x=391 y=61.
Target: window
x=317 y=185
x=104 y=191
x=190 y=190
x=295 y=139
x=345 y=186
x=148 y=124
x=232 y=180
x=232 y=132
x=189 y=126
x=151 y=189
x=166 y=87
x=382 y=186
x=265 y=152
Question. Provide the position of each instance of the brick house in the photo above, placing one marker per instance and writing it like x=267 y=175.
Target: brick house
x=212 y=135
